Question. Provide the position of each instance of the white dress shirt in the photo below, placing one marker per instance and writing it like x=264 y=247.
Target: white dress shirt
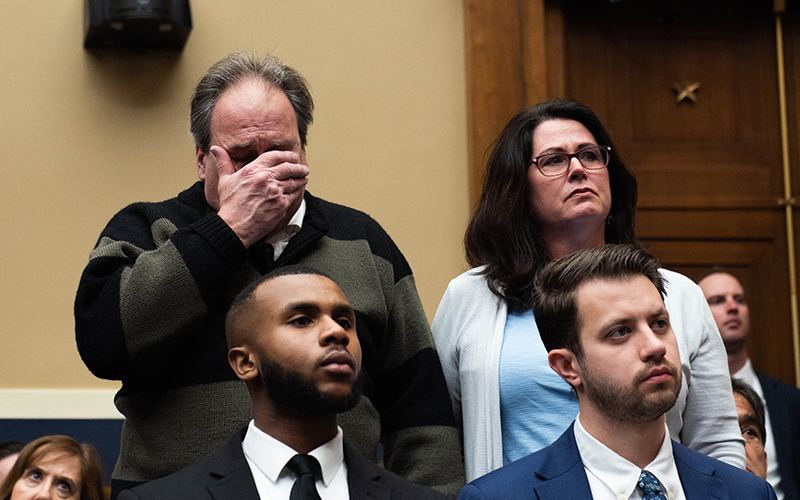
x=267 y=458
x=748 y=376
x=612 y=477
x=281 y=239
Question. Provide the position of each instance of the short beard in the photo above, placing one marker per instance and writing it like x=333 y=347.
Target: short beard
x=629 y=405
x=290 y=388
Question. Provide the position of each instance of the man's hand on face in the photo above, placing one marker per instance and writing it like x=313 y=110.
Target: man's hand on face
x=256 y=199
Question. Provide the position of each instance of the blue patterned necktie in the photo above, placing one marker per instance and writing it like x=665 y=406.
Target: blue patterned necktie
x=651 y=487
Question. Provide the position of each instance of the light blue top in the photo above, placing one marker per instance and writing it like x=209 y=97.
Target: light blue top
x=536 y=406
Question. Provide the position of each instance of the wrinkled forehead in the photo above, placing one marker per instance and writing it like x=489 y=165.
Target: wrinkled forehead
x=49 y=452
x=721 y=283
x=62 y=463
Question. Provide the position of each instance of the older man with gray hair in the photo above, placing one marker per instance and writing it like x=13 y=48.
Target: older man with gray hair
x=152 y=300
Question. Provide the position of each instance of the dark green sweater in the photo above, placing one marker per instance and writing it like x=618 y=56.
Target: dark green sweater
x=150 y=311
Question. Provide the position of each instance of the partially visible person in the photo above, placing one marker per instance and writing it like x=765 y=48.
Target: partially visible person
x=556 y=184
x=9 y=451
x=292 y=339
x=602 y=318
x=56 y=467
x=151 y=303
x=751 y=423
x=728 y=302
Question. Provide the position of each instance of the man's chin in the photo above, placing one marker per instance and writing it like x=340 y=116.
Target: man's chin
x=663 y=399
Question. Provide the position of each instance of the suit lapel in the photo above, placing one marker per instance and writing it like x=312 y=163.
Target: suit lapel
x=697 y=478
x=364 y=477
x=231 y=478
x=562 y=470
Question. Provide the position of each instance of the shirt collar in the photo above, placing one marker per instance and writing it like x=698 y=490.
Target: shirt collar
x=293 y=227
x=271 y=455
x=619 y=474
x=746 y=373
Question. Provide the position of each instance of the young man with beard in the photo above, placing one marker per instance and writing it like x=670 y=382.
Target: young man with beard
x=292 y=339
x=601 y=316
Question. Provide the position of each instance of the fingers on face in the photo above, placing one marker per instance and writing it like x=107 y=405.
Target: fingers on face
x=222 y=160
x=279 y=171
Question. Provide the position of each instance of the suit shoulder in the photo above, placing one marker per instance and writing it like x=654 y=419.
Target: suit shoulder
x=741 y=484
x=516 y=473
x=361 y=474
x=778 y=385
x=187 y=483
x=192 y=482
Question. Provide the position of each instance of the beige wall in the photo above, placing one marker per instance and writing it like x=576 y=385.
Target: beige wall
x=82 y=135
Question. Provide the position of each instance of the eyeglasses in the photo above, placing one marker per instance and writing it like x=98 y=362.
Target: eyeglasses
x=555 y=164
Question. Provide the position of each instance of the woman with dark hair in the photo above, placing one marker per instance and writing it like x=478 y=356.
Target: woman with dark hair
x=55 y=467
x=554 y=185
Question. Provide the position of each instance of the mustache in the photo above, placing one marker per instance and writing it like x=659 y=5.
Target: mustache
x=338 y=354
x=662 y=363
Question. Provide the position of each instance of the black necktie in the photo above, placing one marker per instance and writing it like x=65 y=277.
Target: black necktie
x=650 y=485
x=306 y=468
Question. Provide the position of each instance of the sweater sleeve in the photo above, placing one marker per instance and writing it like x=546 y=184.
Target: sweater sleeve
x=149 y=283
x=709 y=418
x=420 y=439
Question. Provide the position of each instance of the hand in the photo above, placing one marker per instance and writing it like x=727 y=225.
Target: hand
x=256 y=199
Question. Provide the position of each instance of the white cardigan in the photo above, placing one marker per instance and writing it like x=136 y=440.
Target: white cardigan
x=468 y=330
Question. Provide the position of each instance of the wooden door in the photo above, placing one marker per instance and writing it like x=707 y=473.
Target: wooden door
x=690 y=93
x=708 y=165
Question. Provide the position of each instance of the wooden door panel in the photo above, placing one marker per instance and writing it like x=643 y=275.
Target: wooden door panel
x=709 y=171
x=721 y=150
x=708 y=224
x=752 y=250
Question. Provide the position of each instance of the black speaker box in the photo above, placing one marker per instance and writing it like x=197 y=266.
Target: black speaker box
x=140 y=25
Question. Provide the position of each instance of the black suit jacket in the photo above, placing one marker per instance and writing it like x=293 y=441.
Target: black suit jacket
x=783 y=403
x=226 y=476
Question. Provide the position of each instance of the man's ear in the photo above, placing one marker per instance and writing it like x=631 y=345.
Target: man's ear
x=564 y=362
x=244 y=363
x=201 y=165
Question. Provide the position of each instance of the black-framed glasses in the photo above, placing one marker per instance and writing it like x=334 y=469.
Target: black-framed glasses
x=555 y=164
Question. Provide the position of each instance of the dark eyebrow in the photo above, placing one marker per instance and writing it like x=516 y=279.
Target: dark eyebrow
x=306 y=307
x=749 y=419
x=343 y=309
x=559 y=149
x=244 y=145
x=281 y=145
x=660 y=313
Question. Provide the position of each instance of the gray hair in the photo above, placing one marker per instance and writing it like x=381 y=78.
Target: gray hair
x=236 y=67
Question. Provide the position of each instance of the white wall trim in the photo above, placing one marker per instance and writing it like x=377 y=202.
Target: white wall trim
x=58 y=404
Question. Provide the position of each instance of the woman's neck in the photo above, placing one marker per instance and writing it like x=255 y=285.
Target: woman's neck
x=570 y=238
